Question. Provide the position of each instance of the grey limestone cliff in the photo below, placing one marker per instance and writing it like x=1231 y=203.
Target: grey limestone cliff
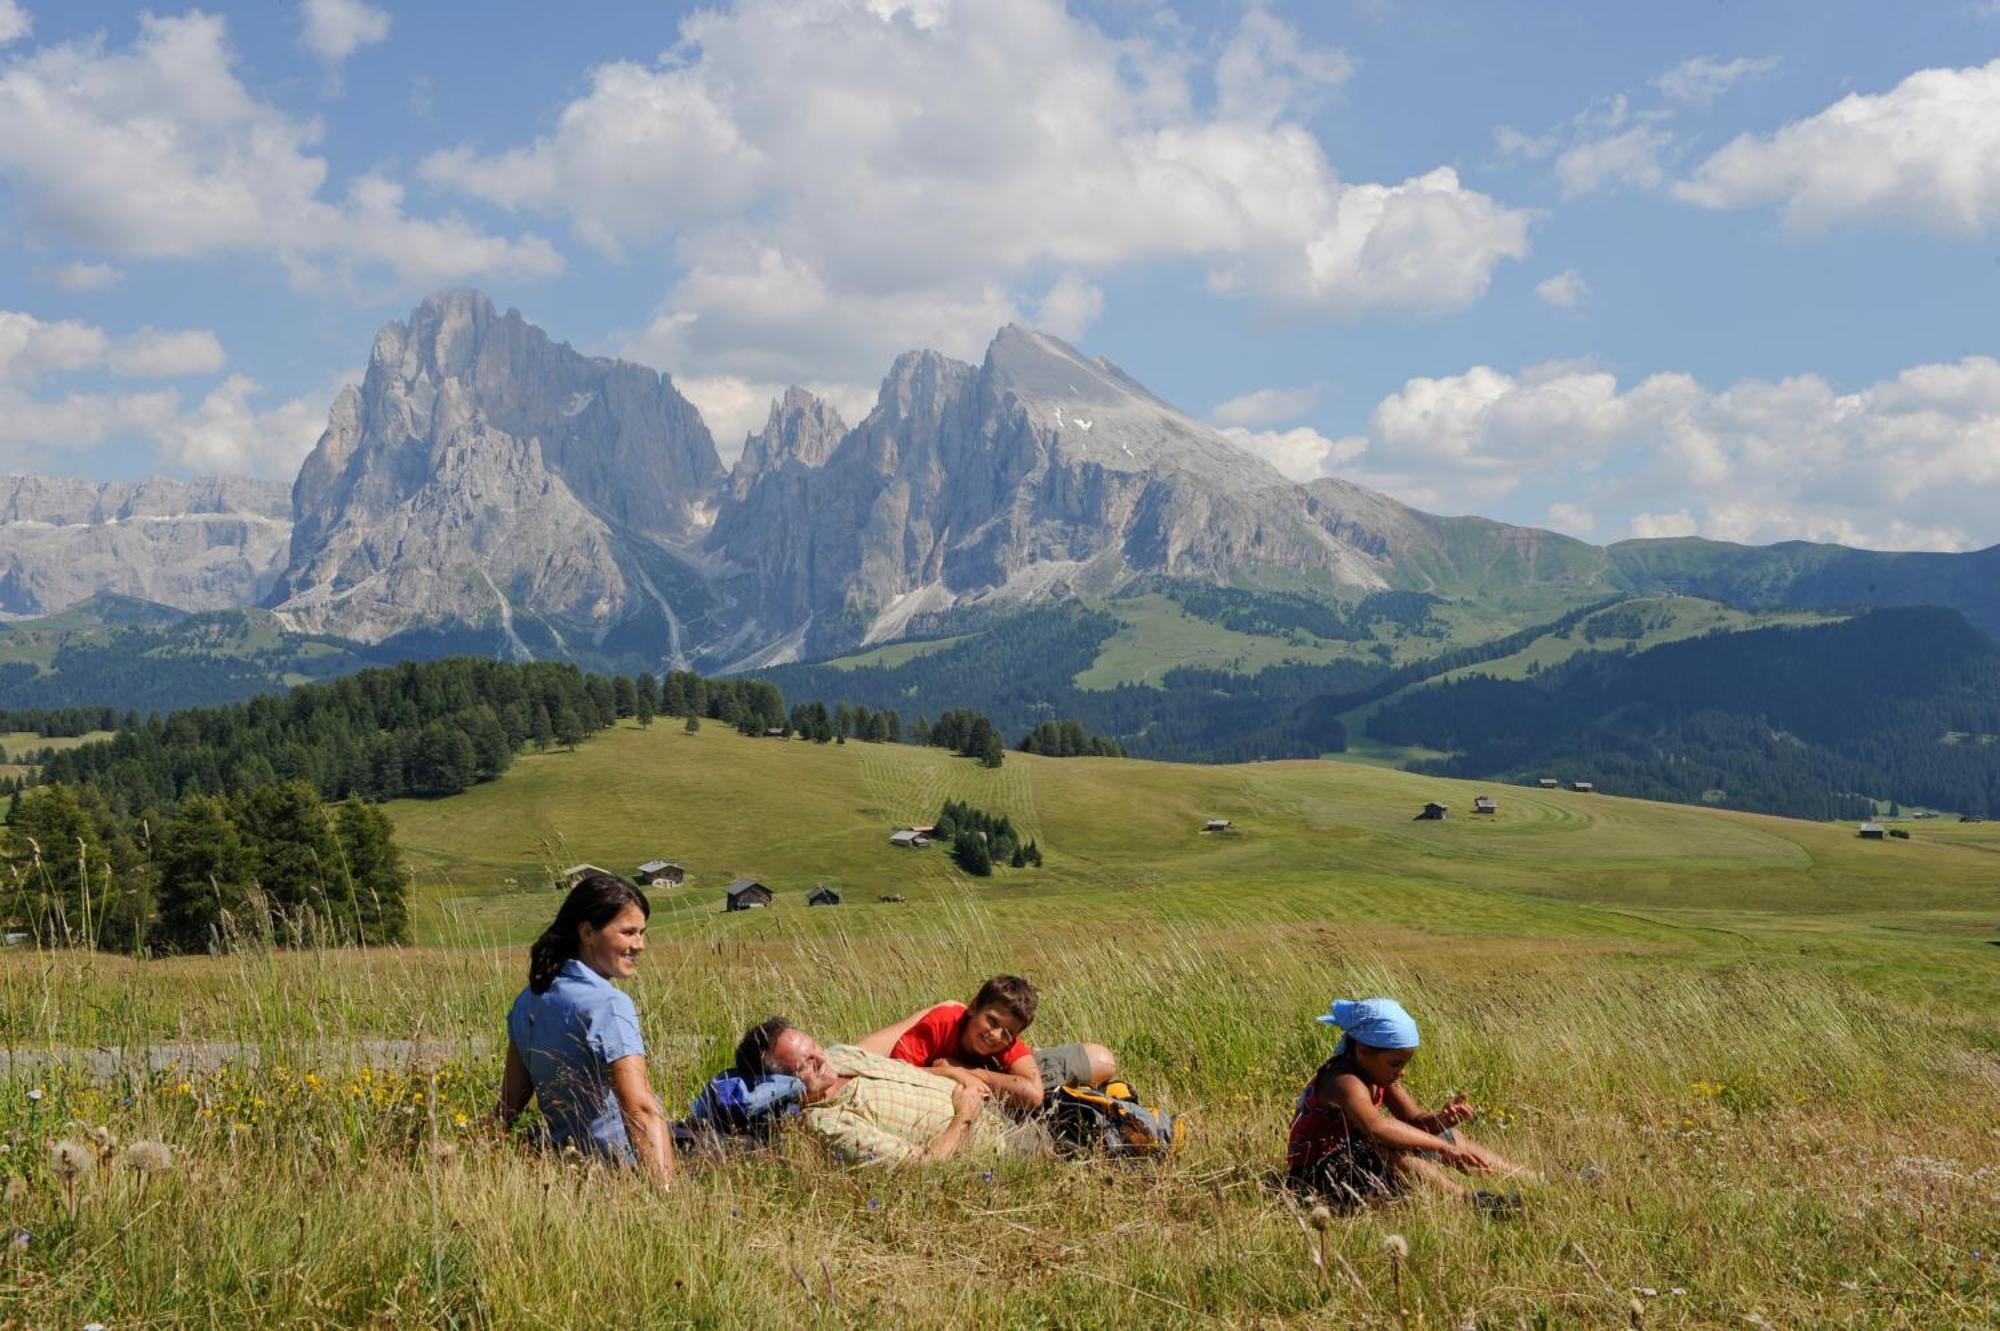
x=484 y=477
x=196 y=545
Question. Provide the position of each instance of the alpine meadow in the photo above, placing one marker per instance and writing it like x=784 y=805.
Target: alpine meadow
x=1751 y=1057
x=1023 y=664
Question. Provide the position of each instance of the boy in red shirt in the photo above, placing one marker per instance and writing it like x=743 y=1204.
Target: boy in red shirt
x=985 y=1039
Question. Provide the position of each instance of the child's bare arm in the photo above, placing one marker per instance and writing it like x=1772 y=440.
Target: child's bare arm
x=1391 y=1129
x=1020 y=1085
x=882 y=1043
x=1404 y=1106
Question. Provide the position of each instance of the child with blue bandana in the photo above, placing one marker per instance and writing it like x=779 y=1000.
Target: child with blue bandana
x=1357 y=1134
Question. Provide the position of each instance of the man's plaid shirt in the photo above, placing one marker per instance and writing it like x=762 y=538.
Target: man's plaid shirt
x=890 y=1111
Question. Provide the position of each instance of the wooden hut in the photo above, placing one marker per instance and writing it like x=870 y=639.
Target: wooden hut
x=1485 y=804
x=1872 y=832
x=1433 y=813
x=746 y=894
x=568 y=877
x=1216 y=825
x=1548 y=783
x=1583 y=787
x=822 y=896
x=660 y=873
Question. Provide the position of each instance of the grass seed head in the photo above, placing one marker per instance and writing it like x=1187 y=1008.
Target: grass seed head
x=68 y=1158
x=149 y=1157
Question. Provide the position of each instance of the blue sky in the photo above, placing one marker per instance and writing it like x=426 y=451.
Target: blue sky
x=1619 y=270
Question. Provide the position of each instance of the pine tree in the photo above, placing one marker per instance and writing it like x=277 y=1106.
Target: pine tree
x=298 y=860
x=693 y=723
x=624 y=697
x=645 y=706
x=969 y=850
x=544 y=728
x=206 y=877
x=375 y=872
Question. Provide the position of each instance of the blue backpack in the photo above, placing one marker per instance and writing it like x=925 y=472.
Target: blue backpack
x=732 y=1113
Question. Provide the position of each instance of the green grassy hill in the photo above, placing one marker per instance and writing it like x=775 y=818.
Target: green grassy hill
x=1752 y=1061
x=1123 y=846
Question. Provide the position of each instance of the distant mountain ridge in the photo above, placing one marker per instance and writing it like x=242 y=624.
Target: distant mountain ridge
x=194 y=545
x=489 y=489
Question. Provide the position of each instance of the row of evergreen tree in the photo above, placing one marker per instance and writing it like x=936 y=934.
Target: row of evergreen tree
x=980 y=840
x=1068 y=739
x=63 y=722
x=966 y=733
x=812 y=720
x=273 y=865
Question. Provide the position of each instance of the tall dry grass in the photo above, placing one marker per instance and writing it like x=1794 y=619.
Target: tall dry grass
x=1722 y=1139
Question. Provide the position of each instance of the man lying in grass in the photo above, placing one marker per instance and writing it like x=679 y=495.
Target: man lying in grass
x=1357 y=1133
x=872 y=1109
x=984 y=1039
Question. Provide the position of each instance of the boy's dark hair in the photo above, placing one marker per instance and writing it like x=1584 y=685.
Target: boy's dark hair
x=753 y=1051
x=1009 y=993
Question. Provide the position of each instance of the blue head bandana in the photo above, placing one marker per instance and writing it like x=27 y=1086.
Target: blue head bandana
x=1379 y=1023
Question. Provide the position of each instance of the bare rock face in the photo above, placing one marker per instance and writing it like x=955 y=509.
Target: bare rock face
x=1039 y=473
x=493 y=489
x=484 y=477
x=196 y=545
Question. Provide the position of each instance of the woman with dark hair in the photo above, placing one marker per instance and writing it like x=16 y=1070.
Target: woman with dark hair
x=573 y=1039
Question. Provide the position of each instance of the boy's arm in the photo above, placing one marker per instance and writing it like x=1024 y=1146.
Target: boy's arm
x=1020 y=1085
x=883 y=1042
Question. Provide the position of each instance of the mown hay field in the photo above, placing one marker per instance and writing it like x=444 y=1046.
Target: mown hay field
x=1754 y=1060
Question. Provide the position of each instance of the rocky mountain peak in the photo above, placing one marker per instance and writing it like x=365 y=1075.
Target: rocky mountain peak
x=801 y=428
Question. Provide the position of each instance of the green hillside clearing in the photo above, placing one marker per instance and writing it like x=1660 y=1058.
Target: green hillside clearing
x=1753 y=1060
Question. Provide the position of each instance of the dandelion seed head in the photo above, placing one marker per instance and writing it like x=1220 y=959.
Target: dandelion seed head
x=149 y=1157
x=444 y=1152
x=1395 y=1247
x=37 y=1093
x=68 y=1158
x=1320 y=1217
x=17 y=1192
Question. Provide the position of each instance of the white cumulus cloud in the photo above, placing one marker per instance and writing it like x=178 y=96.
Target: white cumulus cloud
x=1908 y=462
x=1267 y=406
x=85 y=277
x=225 y=431
x=15 y=22
x=1302 y=453
x=1700 y=80
x=153 y=354
x=1566 y=290
x=1629 y=157
x=158 y=151
x=837 y=177
x=333 y=30
x=1925 y=153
